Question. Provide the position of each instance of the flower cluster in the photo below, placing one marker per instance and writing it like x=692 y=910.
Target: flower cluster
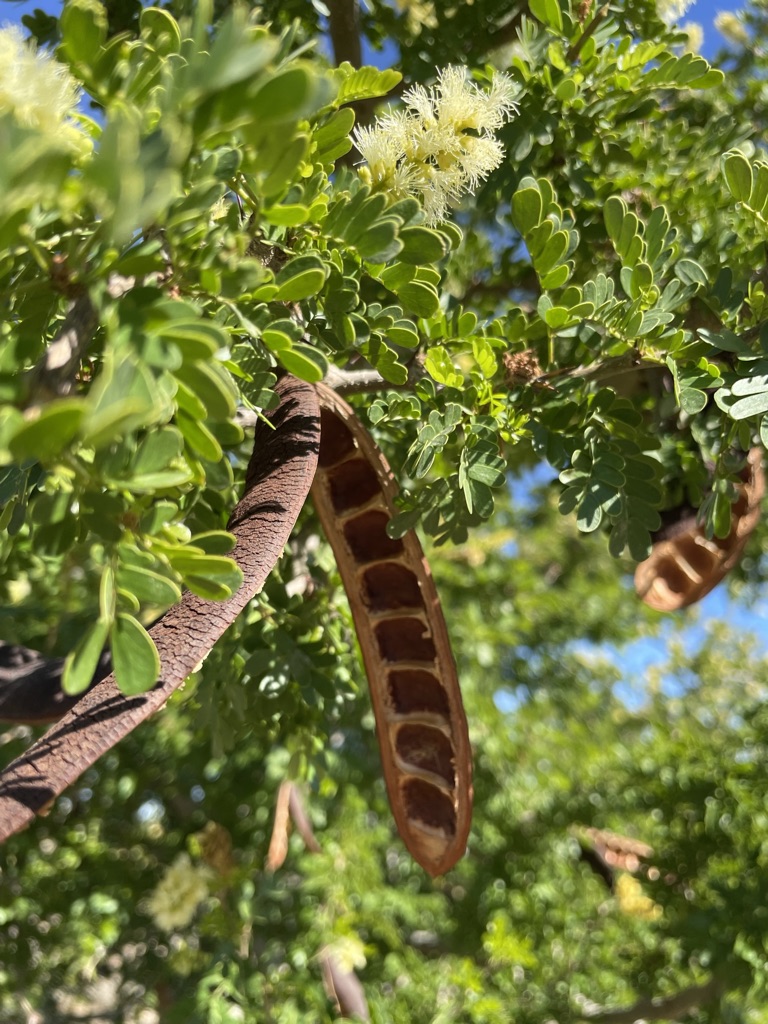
x=420 y=14
x=37 y=90
x=695 y=35
x=671 y=11
x=178 y=894
x=729 y=24
x=442 y=145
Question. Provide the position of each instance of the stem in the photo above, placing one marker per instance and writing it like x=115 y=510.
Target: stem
x=573 y=54
x=344 y=25
x=670 y=1008
x=54 y=372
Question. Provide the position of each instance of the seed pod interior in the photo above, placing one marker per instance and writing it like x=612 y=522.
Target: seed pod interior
x=420 y=720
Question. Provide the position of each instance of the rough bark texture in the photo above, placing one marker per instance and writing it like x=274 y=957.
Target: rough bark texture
x=278 y=480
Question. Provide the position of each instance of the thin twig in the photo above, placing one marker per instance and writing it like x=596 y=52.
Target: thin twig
x=657 y=1008
x=301 y=820
x=573 y=54
x=54 y=372
x=353 y=382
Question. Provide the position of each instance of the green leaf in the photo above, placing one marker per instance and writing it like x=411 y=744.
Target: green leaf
x=556 y=317
x=197 y=339
x=752 y=405
x=211 y=590
x=548 y=12
x=613 y=215
x=439 y=366
x=385 y=359
x=638 y=540
x=124 y=397
x=690 y=272
x=288 y=95
x=332 y=138
x=721 y=515
x=484 y=357
x=156 y=451
x=148 y=586
x=212 y=385
x=526 y=210
x=557 y=278
x=552 y=253
x=692 y=400
x=403 y=332
x=214 y=542
x=300 y=278
x=107 y=593
x=420 y=298
x=304 y=362
x=380 y=243
x=80 y=664
x=363 y=83
x=422 y=245
x=134 y=655
x=83 y=26
x=199 y=438
x=163 y=29
x=738 y=175
x=47 y=430
x=288 y=215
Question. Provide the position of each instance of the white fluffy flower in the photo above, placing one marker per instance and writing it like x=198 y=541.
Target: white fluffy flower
x=37 y=90
x=178 y=894
x=442 y=145
x=732 y=27
x=671 y=11
x=695 y=36
x=421 y=14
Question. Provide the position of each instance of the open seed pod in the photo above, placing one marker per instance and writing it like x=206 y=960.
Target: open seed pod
x=420 y=720
x=686 y=565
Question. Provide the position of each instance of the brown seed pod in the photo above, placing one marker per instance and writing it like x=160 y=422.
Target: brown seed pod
x=420 y=720
x=682 y=568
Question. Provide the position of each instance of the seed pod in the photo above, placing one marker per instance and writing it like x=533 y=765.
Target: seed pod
x=420 y=720
x=685 y=566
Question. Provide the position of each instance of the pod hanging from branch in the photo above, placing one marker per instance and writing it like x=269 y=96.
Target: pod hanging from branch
x=420 y=720
x=684 y=566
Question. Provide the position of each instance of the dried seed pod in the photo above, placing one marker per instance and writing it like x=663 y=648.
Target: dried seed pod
x=684 y=567
x=420 y=720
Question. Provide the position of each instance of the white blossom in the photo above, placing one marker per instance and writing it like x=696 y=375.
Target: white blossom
x=420 y=13
x=37 y=90
x=671 y=11
x=178 y=894
x=442 y=144
x=732 y=27
x=695 y=36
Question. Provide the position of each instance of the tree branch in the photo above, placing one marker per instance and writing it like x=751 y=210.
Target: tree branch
x=506 y=33
x=658 y=1008
x=344 y=25
x=354 y=382
x=572 y=55
x=54 y=372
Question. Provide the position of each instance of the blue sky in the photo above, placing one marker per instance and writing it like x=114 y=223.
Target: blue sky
x=703 y=11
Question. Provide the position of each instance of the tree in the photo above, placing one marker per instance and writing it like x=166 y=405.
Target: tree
x=576 y=283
